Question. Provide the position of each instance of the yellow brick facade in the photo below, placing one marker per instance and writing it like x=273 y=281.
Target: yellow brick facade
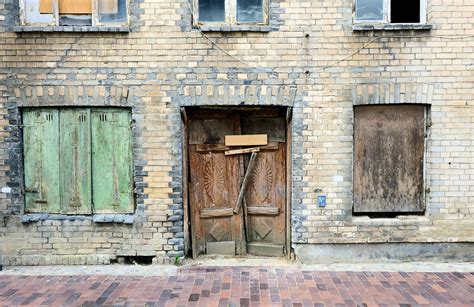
x=311 y=60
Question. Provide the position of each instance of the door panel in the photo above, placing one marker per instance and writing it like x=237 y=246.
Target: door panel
x=265 y=202
x=216 y=179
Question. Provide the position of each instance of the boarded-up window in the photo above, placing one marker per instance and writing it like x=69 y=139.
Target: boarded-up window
x=78 y=160
x=74 y=12
x=388 y=159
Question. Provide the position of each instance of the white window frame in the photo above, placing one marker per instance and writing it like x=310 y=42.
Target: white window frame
x=230 y=15
x=386 y=14
x=94 y=15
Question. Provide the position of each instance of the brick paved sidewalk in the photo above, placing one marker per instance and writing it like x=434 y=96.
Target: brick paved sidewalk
x=234 y=286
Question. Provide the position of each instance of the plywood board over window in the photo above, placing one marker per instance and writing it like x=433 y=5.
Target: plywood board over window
x=74 y=12
x=388 y=158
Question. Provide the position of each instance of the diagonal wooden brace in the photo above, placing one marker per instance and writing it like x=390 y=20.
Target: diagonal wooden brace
x=245 y=182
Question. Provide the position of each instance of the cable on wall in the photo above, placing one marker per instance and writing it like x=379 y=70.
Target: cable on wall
x=329 y=65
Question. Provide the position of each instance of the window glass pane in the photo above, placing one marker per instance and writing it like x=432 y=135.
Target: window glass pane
x=369 y=9
x=405 y=11
x=212 y=10
x=250 y=10
x=39 y=12
x=112 y=10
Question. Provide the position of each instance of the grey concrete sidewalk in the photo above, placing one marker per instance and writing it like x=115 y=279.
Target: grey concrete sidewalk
x=221 y=261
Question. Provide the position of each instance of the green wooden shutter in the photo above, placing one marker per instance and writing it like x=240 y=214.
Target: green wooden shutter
x=112 y=170
x=75 y=161
x=41 y=158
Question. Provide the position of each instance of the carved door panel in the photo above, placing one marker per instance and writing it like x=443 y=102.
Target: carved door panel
x=265 y=203
x=214 y=187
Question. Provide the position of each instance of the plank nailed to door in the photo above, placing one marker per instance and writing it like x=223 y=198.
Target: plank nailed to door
x=246 y=140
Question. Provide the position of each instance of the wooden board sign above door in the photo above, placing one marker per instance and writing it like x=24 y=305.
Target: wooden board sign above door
x=246 y=140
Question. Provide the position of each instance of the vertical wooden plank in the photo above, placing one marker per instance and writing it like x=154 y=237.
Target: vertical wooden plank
x=41 y=159
x=185 y=161
x=289 y=161
x=112 y=167
x=75 y=161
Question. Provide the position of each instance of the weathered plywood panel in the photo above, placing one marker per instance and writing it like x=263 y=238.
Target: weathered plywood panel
x=75 y=161
x=388 y=158
x=41 y=158
x=75 y=6
x=112 y=166
x=46 y=6
x=209 y=131
x=275 y=127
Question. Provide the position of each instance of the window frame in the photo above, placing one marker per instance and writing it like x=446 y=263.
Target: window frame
x=387 y=14
x=94 y=16
x=230 y=7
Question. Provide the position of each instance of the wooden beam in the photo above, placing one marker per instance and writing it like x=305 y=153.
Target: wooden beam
x=241 y=151
x=263 y=210
x=246 y=140
x=216 y=212
x=245 y=182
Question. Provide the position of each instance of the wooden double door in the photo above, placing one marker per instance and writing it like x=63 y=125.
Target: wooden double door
x=258 y=226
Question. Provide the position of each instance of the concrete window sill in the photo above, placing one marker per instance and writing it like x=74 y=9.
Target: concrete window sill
x=391 y=27
x=96 y=218
x=243 y=28
x=123 y=29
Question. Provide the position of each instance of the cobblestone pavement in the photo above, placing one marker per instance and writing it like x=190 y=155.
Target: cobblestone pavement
x=244 y=286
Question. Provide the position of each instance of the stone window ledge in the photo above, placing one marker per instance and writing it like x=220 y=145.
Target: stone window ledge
x=391 y=27
x=123 y=29
x=241 y=28
x=96 y=218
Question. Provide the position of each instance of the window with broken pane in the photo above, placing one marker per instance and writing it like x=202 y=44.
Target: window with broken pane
x=74 y=12
x=390 y=11
x=231 y=12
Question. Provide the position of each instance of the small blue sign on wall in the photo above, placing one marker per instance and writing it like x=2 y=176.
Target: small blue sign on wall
x=322 y=201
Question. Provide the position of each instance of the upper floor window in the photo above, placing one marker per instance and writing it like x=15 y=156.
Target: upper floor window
x=231 y=12
x=390 y=11
x=74 y=12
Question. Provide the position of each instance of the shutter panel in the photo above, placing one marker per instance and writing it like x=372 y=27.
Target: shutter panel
x=75 y=161
x=41 y=158
x=112 y=175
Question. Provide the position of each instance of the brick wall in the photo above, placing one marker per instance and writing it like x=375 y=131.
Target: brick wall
x=163 y=64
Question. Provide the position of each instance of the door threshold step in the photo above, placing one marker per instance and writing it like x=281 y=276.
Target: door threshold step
x=238 y=260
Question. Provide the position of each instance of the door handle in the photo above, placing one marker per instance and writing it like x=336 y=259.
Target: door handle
x=31 y=190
